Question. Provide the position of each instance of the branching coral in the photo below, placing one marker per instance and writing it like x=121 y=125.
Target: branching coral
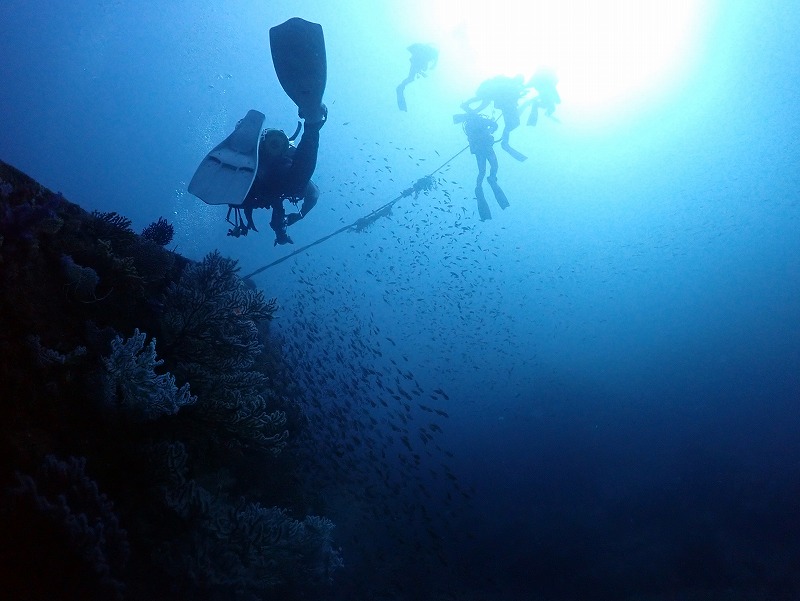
x=266 y=429
x=248 y=548
x=47 y=357
x=114 y=232
x=138 y=389
x=113 y=222
x=82 y=281
x=241 y=547
x=151 y=260
x=160 y=232
x=210 y=316
x=24 y=214
x=209 y=325
x=78 y=512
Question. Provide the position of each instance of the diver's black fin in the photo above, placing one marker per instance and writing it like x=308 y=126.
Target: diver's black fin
x=401 y=98
x=499 y=195
x=514 y=153
x=483 y=206
x=298 y=53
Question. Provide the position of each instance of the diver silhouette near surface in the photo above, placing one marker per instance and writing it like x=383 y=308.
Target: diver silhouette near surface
x=505 y=93
x=479 y=129
x=258 y=168
x=544 y=81
x=423 y=57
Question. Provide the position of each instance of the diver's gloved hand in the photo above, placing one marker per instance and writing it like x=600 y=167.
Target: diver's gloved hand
x=315 y=118
x=282 y=238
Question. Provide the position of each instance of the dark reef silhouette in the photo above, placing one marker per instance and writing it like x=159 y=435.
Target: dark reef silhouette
x=139 y=389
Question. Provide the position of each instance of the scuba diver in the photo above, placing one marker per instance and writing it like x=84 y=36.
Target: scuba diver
x=505 y=92
x=423 y=57
x=479 y=129
x=544 y=81
x=284 y=173
x=250 y=169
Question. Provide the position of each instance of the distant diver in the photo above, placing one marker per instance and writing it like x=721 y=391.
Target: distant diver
x=505 y=93
x=252 y=169
x=423 y=57
x=544 y=81
x=479 y=129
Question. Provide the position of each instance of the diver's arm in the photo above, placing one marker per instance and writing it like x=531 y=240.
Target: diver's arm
x=304 y=160
x=466 y=106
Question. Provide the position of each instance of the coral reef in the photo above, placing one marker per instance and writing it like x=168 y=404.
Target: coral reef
x=81 y=280
x=209 y=326
x=184 y=437
x=160 y=232
x=25 y=213
x=237 y=546
x=81 y=517
x=47 y=357
x=137 y=388
x=111 y=225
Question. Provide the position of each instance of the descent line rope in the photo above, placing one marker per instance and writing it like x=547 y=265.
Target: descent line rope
x=422 y=184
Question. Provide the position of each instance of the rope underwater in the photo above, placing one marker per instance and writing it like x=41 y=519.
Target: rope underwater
x=422 y=184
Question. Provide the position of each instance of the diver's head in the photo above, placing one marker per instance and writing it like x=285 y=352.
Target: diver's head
x=274 y=143
x=543 y=77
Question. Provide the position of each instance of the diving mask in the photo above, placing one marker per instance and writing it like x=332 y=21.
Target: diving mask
x=274 y=142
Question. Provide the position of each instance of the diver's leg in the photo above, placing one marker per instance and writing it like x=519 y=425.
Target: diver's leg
x=511 y=119
x=492 y=179
x=483 y=206
x=310 y=198
x=491 y=157
x=401 y=97
x=481 y=160
x=309 y=202
x=412 y=75
x=278 y=221
x=533 y=116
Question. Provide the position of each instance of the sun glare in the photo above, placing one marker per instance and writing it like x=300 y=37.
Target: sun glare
x=609 y=54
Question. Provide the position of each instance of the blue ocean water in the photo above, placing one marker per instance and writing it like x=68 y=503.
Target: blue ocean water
x=611 y=364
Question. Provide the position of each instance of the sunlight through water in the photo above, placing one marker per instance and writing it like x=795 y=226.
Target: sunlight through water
x=610 y=55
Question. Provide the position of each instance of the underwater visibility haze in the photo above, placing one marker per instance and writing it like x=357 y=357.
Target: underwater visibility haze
x=592 y=394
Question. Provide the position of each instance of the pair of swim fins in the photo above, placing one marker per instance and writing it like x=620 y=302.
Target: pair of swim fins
x=483 y=206
x=226 y=173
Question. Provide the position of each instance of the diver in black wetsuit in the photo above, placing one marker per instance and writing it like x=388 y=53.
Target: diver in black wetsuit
x=284 y=172
x=479 y=129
